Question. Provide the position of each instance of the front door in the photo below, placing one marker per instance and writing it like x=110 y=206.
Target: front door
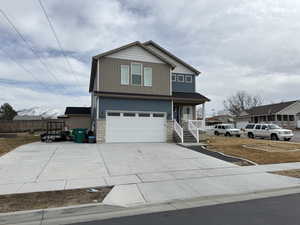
x=187 y=113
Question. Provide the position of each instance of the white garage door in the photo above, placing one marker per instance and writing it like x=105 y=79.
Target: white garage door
x=135 y=127
x=298 y=124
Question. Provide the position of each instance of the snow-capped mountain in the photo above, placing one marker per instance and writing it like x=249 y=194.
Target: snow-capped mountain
x=44 y=111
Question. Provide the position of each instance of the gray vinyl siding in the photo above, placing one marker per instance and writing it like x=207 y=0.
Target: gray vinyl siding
x=106 y=104
x=183 y=86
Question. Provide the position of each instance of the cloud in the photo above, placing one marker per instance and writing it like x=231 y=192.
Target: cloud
x=237 y=44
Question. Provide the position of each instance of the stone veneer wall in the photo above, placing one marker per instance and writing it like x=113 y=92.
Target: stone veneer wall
x=100 y=134
x=170 y=136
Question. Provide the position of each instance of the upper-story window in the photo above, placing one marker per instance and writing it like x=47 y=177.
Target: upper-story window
x=147 y=76
x=136 y=74
x=188 y=79
x=180 y=78
x=125 y=74
x=173 y=77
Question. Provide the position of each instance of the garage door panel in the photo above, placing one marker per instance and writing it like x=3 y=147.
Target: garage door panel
x=135 y=129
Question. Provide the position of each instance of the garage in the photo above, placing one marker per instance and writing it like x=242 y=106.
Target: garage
x=135 y=127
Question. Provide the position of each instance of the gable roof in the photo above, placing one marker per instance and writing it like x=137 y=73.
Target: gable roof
x=78 y=111
x=269 y=109
x=150 y=42
x=136 y=43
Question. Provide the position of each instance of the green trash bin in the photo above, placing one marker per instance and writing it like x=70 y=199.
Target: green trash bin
x=79 y=135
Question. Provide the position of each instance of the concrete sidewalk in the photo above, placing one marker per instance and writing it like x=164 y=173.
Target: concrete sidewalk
x=92 y=212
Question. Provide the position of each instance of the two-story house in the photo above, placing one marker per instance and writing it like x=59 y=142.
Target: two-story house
x=140 y=92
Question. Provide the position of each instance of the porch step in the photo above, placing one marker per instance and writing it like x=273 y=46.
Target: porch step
x=188 y=137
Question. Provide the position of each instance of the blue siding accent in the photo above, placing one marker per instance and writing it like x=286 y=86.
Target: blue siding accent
x=183 y=86
x=135 y=105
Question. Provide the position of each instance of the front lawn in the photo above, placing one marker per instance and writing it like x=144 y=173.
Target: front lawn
x=256 y=150
x=9 y=144
x=51 y=199
x=289 y=173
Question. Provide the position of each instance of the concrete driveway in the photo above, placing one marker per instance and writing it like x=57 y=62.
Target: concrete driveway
x=141 y=172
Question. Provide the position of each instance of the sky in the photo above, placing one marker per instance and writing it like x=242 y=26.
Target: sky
x=237 y=45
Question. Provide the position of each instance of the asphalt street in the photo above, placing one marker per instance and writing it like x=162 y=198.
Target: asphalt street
x=283 y=210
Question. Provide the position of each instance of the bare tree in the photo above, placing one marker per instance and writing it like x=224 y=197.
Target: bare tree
x=240 y=102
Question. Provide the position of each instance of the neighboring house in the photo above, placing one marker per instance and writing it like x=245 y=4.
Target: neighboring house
x=138 y=91
x=210 y=121
x=284 y=114
x=77 y=117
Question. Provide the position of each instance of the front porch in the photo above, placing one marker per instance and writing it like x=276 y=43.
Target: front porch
x=187 y=124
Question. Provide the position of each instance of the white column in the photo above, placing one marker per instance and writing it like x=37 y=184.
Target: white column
x=97 y=108
x=203 y=116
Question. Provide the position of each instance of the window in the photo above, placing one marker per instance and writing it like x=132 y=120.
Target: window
x=158 y=115
x=136 y=74
x=129 y=114
x=180 y=78
x=173 y=77
x=257 y=127
x=291 y=118
x=279 y=117
x=187 y=110
x=285 y=117
x=124 y=74
x=113 y=114
x=147 y=76
x=250 y=126
x=188 y=79
x=264 y=127
x=271 y=118
x=144 y=114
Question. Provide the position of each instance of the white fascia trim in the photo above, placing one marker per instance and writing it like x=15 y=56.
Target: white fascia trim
x=97 y=77
x=171 y=87
x=172 y=118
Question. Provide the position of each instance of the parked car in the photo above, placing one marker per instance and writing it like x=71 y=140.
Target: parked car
x=227 y=130
x=272 y=131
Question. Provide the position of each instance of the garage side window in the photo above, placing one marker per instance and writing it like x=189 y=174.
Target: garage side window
x=124 y=74
x=148 y=76
x=136 y=74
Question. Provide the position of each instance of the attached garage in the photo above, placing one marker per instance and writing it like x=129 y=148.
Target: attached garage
x=129 y=126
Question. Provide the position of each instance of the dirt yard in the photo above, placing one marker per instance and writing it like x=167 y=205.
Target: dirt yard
x=289 y=173
x=50 y=199
x=10 y=143
x=256 y=150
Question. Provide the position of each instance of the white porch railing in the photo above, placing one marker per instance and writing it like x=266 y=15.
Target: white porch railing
x=200 y=124
x=179 y=130
x=194 y=129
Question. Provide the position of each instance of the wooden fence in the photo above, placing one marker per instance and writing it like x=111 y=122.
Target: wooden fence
x=14 y=126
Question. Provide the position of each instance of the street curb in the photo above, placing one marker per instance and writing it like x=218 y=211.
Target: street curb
x=99 y=211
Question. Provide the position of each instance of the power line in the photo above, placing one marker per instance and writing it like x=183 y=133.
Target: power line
x=24 y=68
x=28 y=45
x=57 y=39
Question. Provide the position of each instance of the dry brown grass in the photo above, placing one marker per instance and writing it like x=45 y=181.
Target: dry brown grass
x=50 y=199
x=235 y=147
x=9 y=144
x=289 y=173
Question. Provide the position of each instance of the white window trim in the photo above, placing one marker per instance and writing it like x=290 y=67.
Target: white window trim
x=191 y=81
x=151 y=76
x=179 y=75
x=142 y=80
x=128 y=75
